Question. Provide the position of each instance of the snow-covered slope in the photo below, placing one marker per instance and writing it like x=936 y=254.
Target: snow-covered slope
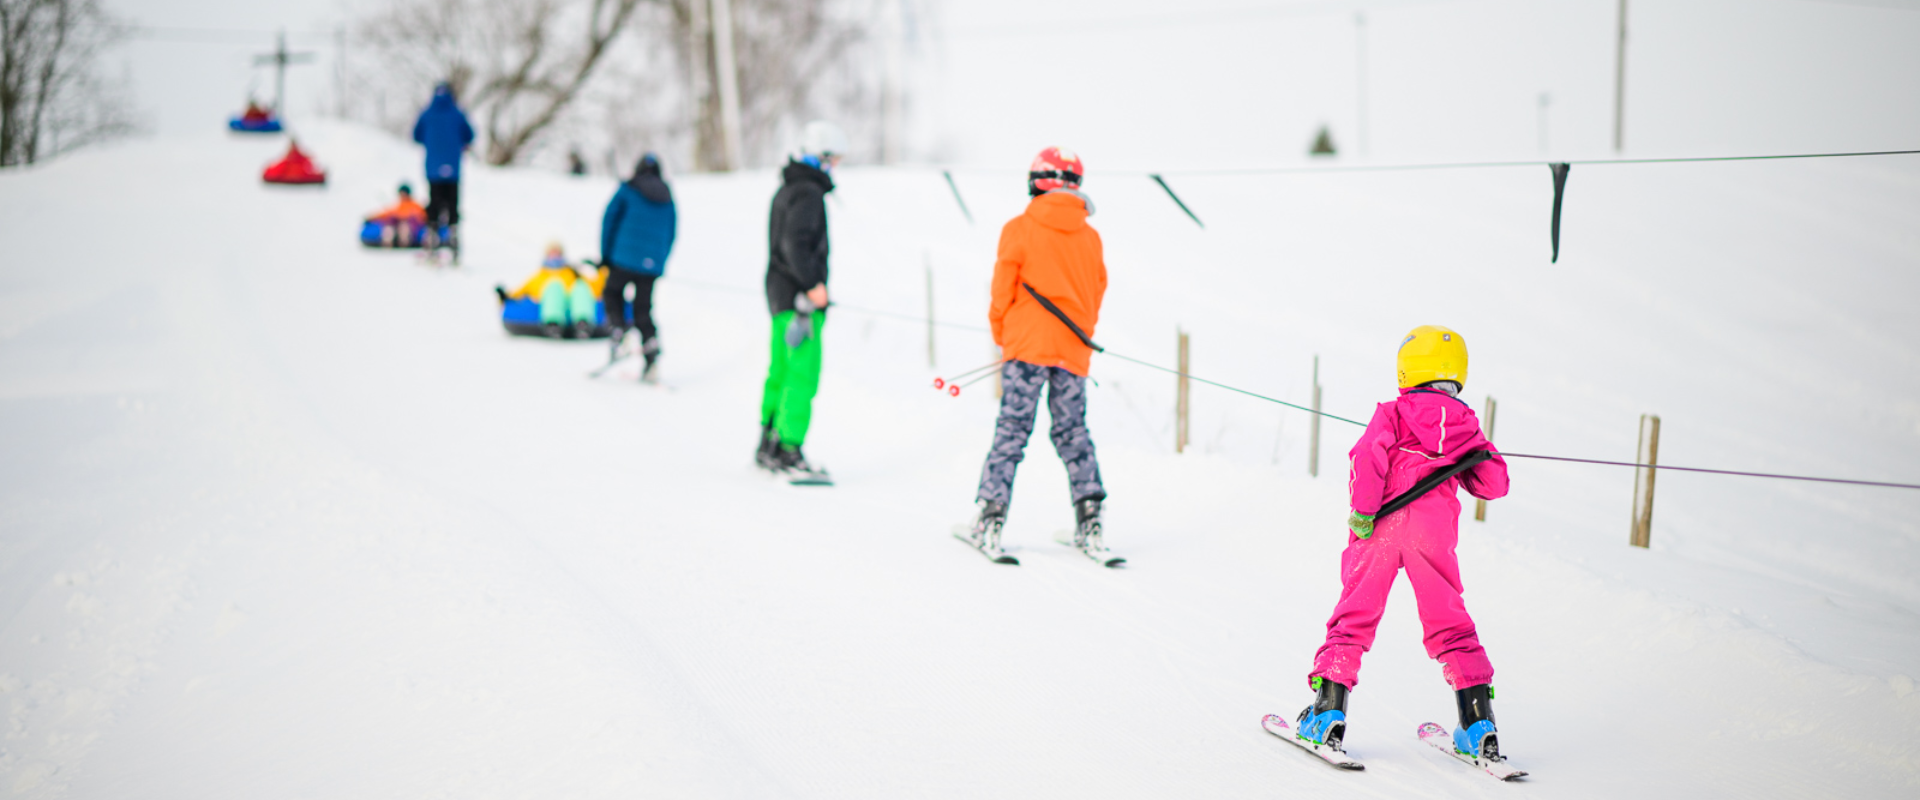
x=280 y=517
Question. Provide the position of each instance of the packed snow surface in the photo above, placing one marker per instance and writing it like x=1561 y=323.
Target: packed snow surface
x=281 y=517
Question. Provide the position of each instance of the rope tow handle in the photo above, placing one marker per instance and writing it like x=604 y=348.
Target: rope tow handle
x=1062 y=315
x=1432 y=482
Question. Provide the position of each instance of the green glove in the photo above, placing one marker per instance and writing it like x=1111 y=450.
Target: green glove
x=1360 y=524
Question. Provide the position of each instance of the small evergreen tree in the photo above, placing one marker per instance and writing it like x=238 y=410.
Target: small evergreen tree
x=1322 y=144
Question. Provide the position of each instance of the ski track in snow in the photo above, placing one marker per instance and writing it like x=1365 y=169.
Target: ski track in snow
x=281 y=517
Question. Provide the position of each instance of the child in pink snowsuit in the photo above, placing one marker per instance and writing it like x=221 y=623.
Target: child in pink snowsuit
x=1424 y=431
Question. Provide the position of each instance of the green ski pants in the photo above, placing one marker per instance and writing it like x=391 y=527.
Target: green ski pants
x=559 y=306
x=793 y=376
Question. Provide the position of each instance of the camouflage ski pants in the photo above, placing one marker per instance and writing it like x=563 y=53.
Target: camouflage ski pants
x=1021 y=384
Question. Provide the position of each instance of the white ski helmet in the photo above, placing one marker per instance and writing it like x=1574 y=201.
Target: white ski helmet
x=823 y=140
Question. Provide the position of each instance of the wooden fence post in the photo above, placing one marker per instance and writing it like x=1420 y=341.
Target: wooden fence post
x=1649 y=453
x=1480 y=506
x=1180 y=402
x=1313 y=432
x=930 y=351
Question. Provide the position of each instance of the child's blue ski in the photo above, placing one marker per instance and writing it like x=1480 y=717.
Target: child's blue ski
x=1437 y=735
x=1277 y=725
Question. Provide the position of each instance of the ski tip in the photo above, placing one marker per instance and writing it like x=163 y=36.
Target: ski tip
x=1275 y=721
x=1430 y=729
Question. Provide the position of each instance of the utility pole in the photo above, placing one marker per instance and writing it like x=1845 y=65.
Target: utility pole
x=729 y=83
x=280 y=58
x=1360 y=70
x=1620 y=84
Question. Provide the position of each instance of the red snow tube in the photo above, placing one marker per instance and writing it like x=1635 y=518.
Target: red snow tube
x=295 y=168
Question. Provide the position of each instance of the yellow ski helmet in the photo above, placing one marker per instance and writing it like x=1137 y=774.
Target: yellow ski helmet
x=1432 y=353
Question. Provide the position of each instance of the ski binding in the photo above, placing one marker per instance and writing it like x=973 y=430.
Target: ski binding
x=994 y=554
x=1099 y=553
x=1278 y=726
x=1442 y=740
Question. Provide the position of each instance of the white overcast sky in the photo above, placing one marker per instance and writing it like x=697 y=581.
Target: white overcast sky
x=1213 y=82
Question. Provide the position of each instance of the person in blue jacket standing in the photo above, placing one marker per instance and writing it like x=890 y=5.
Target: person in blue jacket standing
x=444 y=130
x=636 y=234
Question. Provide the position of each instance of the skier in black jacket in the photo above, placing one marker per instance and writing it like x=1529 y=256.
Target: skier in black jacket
x=797 y=297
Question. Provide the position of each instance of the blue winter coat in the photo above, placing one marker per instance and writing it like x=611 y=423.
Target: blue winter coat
x=636 y=234
x=444 y=130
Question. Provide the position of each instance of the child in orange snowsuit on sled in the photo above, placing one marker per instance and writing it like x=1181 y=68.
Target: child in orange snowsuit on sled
x=403 y=224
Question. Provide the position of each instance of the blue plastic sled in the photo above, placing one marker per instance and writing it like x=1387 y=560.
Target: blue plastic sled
x=370 y=235
x=241 y=125
x=521 y=317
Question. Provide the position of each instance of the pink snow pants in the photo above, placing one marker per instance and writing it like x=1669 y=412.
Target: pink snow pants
x=1419 y=539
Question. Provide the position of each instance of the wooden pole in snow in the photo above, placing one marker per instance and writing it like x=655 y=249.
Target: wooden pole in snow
x=1313 y=432
x=1180 y=401
x=928 y=257
x=1642 y=535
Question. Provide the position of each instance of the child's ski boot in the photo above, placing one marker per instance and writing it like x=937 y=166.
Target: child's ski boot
x=1474 y=742
x=1325 y=722
x=1476 y=736
x=1321 y=728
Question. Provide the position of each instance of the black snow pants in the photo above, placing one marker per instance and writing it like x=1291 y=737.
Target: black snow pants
x=614 y=299
x=443 y=203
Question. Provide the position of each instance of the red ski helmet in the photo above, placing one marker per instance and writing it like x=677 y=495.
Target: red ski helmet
x=1054 y=168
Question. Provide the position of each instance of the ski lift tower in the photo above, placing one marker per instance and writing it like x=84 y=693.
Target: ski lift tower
x=280 y=58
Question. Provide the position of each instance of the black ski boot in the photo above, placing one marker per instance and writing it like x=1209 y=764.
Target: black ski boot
x=583 y=330
x=1086 y=529
x=985 y=533
x=1476 y=735
x=615 y=339
x=1325 y=722
x=790 y=459
x=650 y=351
x=768 y=455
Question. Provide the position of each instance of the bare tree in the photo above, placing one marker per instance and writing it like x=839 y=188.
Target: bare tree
x=616 y=77
x=51 y=99
x=516 y=64
x=788 y=53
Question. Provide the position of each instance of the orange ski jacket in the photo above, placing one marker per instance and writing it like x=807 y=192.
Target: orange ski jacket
x=1053 y=249
x=406 y=209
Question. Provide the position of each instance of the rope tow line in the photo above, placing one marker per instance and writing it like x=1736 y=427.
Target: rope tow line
x=1718 y=471
x=1467 y=164
x=1088 y=341
x=952 y=385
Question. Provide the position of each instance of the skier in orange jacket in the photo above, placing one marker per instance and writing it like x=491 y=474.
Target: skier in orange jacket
x=1047 y=252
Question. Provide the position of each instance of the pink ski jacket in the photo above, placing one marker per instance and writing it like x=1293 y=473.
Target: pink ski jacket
x=1422 y=432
